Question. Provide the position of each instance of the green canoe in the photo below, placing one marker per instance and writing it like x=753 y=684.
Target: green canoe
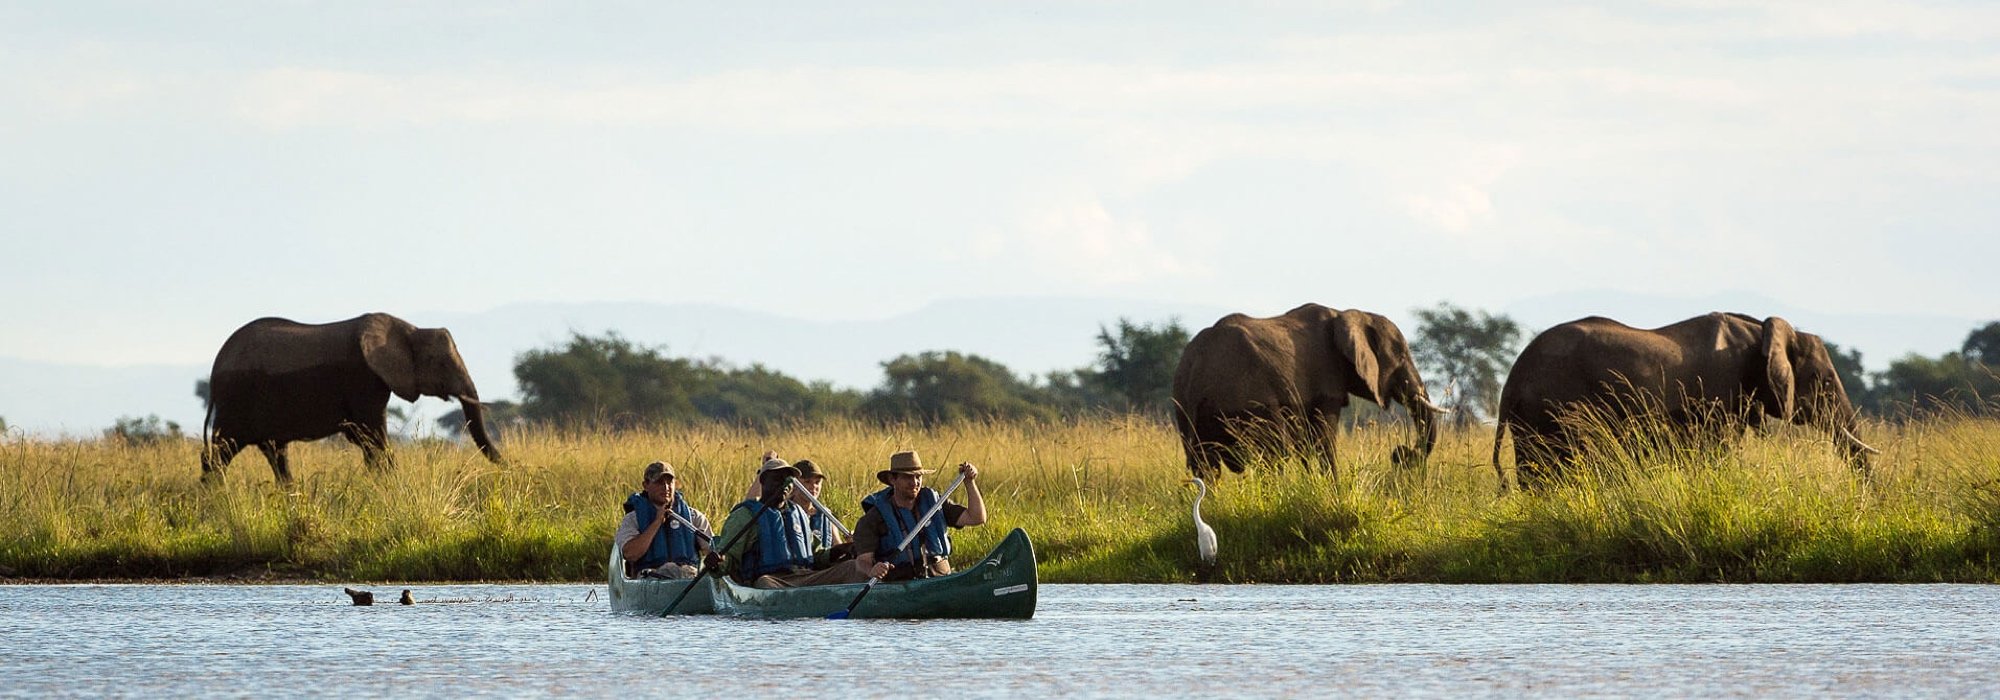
x=651 y=595
x=1001 y=586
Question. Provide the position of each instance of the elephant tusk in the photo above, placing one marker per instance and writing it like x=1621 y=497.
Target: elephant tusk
x=1434 y=408
x=1857 y=442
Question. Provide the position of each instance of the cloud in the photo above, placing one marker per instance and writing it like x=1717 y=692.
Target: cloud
x=1084 y=241
x=1458 y=198
x=1456 y=210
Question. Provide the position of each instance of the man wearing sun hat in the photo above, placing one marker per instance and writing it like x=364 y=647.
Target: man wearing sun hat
x=890 y=514
x=777 y=550
x=654 y=544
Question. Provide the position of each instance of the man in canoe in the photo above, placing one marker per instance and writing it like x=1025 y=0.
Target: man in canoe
x=828 y=543
x=890 y=514
x=777 y=550
x=654 y=544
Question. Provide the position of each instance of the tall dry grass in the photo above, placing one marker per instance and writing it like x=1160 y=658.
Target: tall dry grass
x=1102 y=498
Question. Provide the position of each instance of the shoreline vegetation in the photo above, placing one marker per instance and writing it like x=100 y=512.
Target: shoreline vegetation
x=1103 y=498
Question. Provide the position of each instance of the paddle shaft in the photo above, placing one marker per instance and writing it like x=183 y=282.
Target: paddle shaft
x=761 y=507
x=823 y=509
x=689 y=525
x=907 y=539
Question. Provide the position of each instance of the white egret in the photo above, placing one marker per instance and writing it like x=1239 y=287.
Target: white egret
x=1204 y=536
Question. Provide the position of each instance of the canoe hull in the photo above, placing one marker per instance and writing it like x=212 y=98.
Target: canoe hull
x=1001 y=586
x=650 y=596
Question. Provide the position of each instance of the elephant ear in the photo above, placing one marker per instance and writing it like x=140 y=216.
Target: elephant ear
x=385 y=346
x=1779 y=379
x=1350 y=335
x=437 y=357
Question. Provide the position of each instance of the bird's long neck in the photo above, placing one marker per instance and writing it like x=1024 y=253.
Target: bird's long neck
x=1201 y=493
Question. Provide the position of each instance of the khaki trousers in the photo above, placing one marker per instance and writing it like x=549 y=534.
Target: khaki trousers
x=849 y=571
x=668 y=571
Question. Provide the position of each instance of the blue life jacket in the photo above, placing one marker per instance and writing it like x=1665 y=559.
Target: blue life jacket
x=822 y=527
x=673 y=542
x=783 y=541
x=935 y=540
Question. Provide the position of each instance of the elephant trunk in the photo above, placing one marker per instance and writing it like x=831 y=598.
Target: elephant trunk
x=1857 y=451
x=475 y=424
x=1425 y=415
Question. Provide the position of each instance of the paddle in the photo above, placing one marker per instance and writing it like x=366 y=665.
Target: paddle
x=907 y=539
x=690 y=525
x=761 y=507
x=801 y=488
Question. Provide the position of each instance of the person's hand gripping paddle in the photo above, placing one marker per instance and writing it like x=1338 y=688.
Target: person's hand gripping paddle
x=907 y=539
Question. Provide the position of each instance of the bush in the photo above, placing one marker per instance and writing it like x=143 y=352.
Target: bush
x=142 y=431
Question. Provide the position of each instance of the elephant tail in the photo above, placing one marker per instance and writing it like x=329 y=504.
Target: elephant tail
x=207 y=436
x=1499 y=433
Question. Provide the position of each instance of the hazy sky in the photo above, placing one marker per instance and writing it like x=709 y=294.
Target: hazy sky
x=169 y=172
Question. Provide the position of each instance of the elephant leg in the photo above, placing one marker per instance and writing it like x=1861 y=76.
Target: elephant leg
x=1321 y=429
x=1204 y=462
x=281 y=465
x=1204 y=459
x=1526 y=467
x=1227 y=454
x=1539 y=455
x=216 y=457
x=1218 y=442
x=372 y=439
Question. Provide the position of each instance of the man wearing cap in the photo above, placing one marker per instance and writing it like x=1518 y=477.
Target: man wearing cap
x=777 y=549
x=654 y=544
x=825 y=535
x=890 y=514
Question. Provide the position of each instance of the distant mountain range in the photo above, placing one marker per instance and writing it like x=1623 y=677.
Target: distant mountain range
x=1028 y=335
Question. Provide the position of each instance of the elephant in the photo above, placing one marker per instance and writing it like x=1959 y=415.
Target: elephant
x=276 y=380
x=1706 y=378
x=1295 y=372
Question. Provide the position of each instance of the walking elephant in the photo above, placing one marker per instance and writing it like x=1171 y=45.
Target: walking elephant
x=276 y=381
x=1706 y=378
x=1294 y=373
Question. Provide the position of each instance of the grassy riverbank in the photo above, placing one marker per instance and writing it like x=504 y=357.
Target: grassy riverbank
x=1103 y=500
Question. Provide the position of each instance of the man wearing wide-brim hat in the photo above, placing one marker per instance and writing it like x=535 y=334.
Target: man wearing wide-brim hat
x=889 y=515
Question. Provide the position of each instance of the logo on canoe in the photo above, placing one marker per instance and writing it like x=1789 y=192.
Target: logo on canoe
x=1022 y=588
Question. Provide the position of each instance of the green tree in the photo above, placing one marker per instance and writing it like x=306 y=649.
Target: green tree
x=201 y=391
x=759 y=396
x=1135 y=368
x=1467 y=351
x=939 y=387
x=1072 y=392
x=1965 y=381
x=1983 y=345
x=1949 y=382
x=143 y=431
x=1847 y=363
x=608 y=378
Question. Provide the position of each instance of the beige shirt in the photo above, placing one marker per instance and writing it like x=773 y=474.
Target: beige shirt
x=629 y=528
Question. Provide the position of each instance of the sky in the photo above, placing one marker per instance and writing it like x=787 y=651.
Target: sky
x=169 y=171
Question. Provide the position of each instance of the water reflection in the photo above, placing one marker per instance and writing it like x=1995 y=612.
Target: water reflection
x=1085 y=640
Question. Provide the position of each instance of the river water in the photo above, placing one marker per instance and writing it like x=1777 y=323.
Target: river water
x=1098 y=640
